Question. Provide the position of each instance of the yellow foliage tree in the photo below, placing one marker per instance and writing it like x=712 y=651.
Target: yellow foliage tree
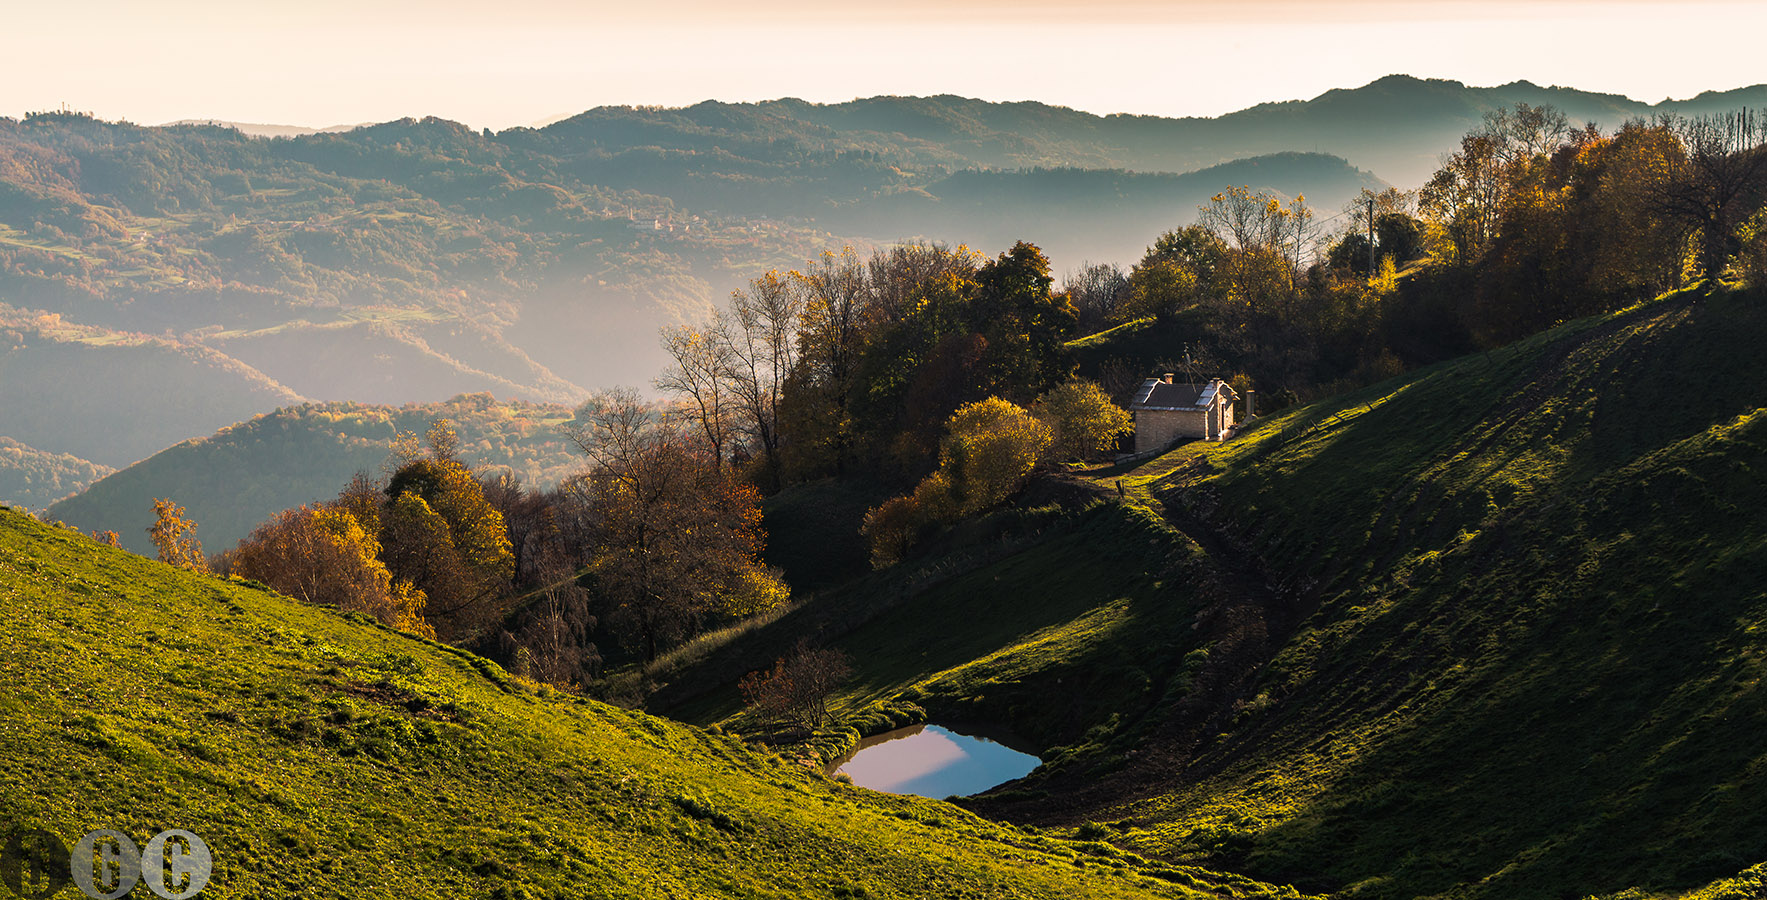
x=1082 y=418
x=755 y=590
x=324 y=556
x=992 y=446
x=440 y=534
x=174 y=536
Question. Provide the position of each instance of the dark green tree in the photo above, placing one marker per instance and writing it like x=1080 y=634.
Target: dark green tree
x=1025 y=325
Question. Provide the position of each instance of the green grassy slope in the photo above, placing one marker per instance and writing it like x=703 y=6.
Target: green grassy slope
x=1535 y=583
x=323 y=755
x=1491 y=629
x=1061 y=622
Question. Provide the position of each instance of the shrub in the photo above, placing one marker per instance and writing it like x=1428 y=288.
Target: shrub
x=796 y=690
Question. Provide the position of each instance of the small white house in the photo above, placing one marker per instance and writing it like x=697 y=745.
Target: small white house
x=1167 y=412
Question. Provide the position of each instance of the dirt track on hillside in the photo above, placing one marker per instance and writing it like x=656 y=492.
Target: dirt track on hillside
x=1245 y=620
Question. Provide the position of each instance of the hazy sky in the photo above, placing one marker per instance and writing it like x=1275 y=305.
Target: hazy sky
x=513 y=62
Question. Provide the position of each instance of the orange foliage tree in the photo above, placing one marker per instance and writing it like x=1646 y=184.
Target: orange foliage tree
x=324 y=556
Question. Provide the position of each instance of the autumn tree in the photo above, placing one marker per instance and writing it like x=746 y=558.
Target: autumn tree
x=702 y=376
x=1716 y=184
x=897 y=278
x=1160 y=288
x=1195 y=247
x=1257 y=276
x=836 y=295
x=550 y=642
x=323 y=555
x=990 y=448
x=1082 y=420
x=677 y=538
x=1174 y=273
x=174 y=537
x=1466 y=196
x=1469 y=193
x=1525 y=133
x=362 y=498
x=531 y=521
x=1630 y=248
x=831 y=338
x=440 y=535
x=910 y=354
x=761 y=334
x=917 y=369
x=1095 y=292
x=796 y=690
x=1024 y=324
x=890 y=529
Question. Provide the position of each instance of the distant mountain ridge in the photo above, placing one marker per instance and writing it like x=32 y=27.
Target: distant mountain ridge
x=413 y=260
x=257 y=129
x=1395 y=126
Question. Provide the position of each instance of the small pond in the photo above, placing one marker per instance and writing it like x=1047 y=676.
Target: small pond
x=932 y=761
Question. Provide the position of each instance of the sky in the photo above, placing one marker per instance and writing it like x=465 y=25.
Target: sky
x=518 y=62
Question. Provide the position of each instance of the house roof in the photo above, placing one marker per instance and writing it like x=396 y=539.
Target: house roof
x=1157 y=394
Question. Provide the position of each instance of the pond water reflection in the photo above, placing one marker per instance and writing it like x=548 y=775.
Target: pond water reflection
x=932 y=761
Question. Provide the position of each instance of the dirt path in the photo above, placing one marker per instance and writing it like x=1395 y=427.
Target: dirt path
x=1245 y=619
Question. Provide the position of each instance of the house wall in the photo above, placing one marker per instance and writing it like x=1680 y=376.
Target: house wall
x=1155 y=429
x=1220 y=416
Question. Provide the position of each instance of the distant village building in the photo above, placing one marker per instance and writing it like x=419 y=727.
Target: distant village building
x=1167 y=412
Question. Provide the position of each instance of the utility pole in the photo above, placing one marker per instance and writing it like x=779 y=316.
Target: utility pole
x=1370 y=238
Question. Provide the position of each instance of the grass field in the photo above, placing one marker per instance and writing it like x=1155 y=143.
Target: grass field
x=1533 y=582
x=1489 y=630
x=322 y=755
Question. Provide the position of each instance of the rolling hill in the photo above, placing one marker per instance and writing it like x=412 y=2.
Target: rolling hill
x=318 y=754
x=114 y=398
x=1396 y=127
x=33 y=479
x=238 y=477
x=1488 y=629
x=411 y=260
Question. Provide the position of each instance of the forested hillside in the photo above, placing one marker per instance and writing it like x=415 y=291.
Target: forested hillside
x=1395 y=127
x=236 y=478
x=1467 y=609
x=412 y=260
x=115 y=398
x=1482 y=630
x=33 y=478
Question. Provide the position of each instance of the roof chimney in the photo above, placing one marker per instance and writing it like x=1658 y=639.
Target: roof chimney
x=1167 y=378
